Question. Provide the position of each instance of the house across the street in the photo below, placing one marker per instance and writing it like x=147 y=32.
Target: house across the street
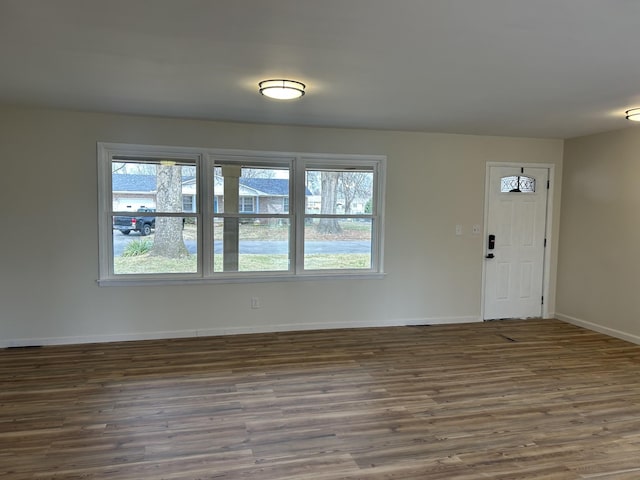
x=257 y=195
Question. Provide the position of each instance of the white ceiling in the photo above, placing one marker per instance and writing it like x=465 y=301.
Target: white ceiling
x=536 y=68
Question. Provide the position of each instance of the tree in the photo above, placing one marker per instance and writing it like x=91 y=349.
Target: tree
x=250 y=172
x=328 y=202
x=313 y=182
x=133 y=168
x=168 y=240
x=355 y=185
x=118 y=167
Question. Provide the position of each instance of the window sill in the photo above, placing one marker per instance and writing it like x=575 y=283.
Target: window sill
x=132 y=282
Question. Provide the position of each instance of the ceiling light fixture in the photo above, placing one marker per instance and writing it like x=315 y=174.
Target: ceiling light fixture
x=281 y=89
x=633 y=114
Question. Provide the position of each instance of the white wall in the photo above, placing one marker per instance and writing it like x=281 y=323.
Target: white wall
x=49 y=245
x=599 y=256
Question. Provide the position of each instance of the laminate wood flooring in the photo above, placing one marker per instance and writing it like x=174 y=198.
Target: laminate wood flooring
x=531 y=399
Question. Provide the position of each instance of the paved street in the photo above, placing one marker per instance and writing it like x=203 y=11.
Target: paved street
x=260 y=246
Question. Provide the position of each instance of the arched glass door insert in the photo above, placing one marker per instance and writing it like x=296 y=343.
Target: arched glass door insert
x=517 y=184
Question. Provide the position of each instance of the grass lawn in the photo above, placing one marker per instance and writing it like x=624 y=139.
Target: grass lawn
x=247 y=263
x=350 y=231
x=147 y=264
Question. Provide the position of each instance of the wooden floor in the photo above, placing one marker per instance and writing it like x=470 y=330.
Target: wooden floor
x=500 y=400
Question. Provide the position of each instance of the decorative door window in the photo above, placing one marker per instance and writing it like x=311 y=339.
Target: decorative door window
x=517 y=184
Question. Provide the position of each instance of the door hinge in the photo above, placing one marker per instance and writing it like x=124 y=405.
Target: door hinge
x=542 y=300
x=548 y=183
x=545 y=242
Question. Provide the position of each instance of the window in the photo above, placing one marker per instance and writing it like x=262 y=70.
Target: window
x=173 y=214
x=339 y=228
x=247 y=204
x=187 y=203
x=517 y=184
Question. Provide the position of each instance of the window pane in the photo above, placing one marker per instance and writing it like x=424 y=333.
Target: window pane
x=259 y=190
x=517 y=184
x=262 y=244
x=160 y=185
x=336 y=243
x=339 y=192
x=169 y=247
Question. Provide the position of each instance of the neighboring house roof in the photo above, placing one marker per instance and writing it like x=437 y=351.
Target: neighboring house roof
x=267 y=186
x=133 y=183
x=147 y=183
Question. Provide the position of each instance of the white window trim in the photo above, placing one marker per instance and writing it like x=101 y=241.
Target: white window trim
x=204 y=159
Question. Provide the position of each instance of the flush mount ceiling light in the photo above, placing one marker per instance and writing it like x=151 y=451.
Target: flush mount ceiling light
x=281 y=89
x=633 y=114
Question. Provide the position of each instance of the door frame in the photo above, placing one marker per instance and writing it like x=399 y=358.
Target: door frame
x=546 y=264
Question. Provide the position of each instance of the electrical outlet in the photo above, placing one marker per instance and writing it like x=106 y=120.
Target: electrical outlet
x=476 y=230
x=255 y=302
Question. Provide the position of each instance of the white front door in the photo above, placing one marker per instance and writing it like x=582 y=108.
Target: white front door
x=515 y=242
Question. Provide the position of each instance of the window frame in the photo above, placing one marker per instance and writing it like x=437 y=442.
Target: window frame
x=205 y=159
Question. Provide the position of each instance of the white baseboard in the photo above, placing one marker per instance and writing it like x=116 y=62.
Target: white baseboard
x=612 y=332
x=125 y=337
x=404 y=322
x=219 y=331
